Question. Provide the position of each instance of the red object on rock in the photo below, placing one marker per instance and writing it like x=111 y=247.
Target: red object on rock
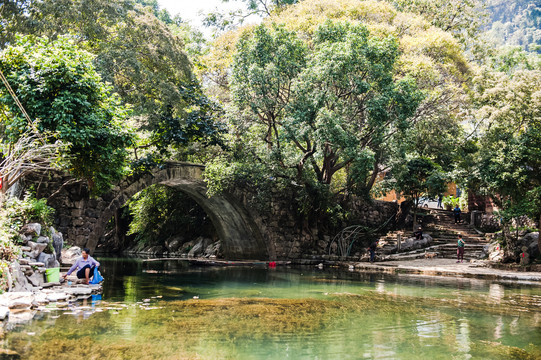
x=272 y=264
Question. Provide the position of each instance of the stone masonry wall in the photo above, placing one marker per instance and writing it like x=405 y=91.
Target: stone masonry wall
x=75 y=211
x=285 y=232
x=289 y=236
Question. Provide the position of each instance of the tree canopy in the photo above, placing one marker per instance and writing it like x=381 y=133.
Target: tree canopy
x=59 y=87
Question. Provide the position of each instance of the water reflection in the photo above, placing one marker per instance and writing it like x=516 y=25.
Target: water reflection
x=496 y=292
x=148 y=310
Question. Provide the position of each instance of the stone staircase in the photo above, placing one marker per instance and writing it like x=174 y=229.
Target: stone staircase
x=444 y=232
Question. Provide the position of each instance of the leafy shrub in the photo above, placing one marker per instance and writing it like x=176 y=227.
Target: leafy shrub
x=450 y=201
x=14 y=213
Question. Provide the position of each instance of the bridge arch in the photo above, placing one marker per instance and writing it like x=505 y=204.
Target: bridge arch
x=240 y=237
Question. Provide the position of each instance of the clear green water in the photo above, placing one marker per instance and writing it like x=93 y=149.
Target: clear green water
x=286 y=313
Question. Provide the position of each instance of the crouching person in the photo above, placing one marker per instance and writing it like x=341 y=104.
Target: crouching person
x=84 y=265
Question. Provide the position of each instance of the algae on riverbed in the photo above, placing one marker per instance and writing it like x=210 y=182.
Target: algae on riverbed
x=231 y=328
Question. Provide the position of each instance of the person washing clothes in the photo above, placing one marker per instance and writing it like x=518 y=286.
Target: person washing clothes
x=85 y=265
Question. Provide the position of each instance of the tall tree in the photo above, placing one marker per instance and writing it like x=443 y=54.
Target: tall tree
x=509 y=166
x=59 y=87
x=327 y=109
x=297 y=103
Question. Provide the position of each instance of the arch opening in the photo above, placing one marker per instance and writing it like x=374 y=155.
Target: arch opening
x=234 y=225
x=161 y=221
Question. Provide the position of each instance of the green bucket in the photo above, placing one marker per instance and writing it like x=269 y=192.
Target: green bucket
x=53 y=274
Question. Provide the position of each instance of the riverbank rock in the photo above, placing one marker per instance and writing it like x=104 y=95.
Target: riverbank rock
x=78 y=290
x=414 y=244
x=199 y=247
x=213 y=250
x=6 y=354
x=58 y=243
x=4 y=313
x=43 y=240
x=69 y=256
x=17 y=300
x=35 y=249
x=31 y=229
x=49 y=260
x=36 y=279
x=495 y=251
x=531 y=242
x=173 y=244
x=20 y=282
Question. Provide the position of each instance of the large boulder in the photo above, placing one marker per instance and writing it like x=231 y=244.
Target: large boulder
x=35 y=249
x=199 y=247
x=32 y=229
x=495 y=251
x=36 y=279
x=531 y=241
x=20 y=283
x=17 y=300
x=4 y=313
x=213 y=250
x=58 y=244
x=414 y=244
x=43 y=240
x=69 y=256
x=173 y=244
x=155 y=250
x=48 y=259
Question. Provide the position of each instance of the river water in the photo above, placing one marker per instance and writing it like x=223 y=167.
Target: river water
x=171 y=310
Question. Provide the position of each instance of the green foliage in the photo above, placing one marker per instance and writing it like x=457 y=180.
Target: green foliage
x=15 y=213
x=419 y=177
x=323 y=108
x=508 y=163
x=27 y=210
x=197 y=125
x=516 y=23
x=145 y=166
x=139 y=49
x=225 y=175
x=365 y=85
x=58 y=86
x=450 y=201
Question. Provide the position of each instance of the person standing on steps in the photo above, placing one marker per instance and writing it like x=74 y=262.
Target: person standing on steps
x=440 y=199
x=456 y=212
x=460 y=249
x=372 y=249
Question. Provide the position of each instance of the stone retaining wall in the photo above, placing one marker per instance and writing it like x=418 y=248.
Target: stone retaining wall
x=289 y=235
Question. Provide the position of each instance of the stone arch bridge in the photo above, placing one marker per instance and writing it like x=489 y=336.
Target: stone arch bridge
x=83 y=220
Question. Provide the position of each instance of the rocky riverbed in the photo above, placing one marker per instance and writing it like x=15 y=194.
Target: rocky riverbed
x=21 y=306
x=30 y=290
